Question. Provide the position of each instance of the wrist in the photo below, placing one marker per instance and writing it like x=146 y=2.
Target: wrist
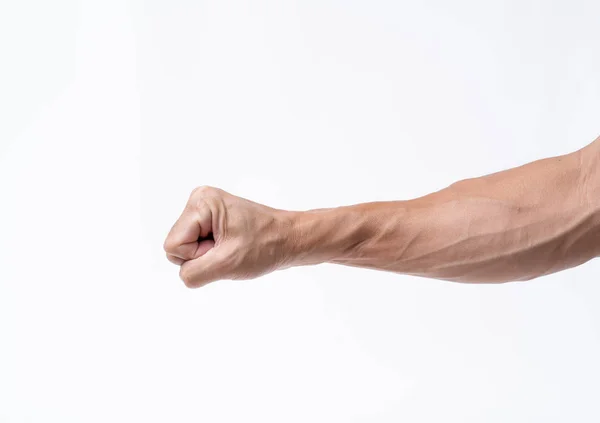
x=324 y=235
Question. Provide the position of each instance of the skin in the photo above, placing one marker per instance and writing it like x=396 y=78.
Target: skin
x=514 y=225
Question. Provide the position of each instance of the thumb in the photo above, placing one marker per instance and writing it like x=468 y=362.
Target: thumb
x=211 y=266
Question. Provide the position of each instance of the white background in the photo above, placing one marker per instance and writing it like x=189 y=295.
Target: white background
x=111 y=112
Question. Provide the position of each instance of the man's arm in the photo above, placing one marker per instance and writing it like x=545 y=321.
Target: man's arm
x=518 y=224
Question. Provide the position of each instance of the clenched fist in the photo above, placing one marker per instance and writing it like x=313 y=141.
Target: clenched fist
x=221 y=236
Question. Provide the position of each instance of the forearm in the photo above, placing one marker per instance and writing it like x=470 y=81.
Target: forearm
x=513 y=225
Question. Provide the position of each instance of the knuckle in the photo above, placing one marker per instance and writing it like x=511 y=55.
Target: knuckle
x=169 y=246
x=202 y=190
x=187 y=277
x=205 y=197
x=201 y=195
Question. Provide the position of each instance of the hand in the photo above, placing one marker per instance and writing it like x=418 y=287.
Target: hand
x=221 y=236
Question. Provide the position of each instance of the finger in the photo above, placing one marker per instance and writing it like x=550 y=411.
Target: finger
x=208 y=268
x=175 y=260
x=202 y=248
x=182 y=241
